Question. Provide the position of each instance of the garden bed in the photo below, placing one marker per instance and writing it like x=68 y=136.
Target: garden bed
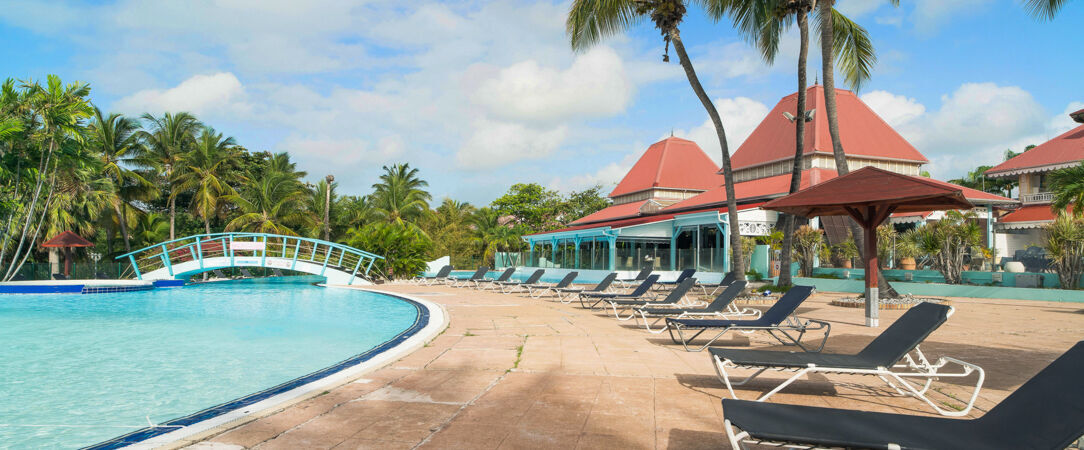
x=904 y=302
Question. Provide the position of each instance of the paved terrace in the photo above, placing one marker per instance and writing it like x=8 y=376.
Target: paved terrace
x=513 y=372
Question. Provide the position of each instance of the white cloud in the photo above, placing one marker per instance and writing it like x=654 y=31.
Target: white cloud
x=494 y=144
x=929 y=15
x=974 y=125
x=858 y=8
x=343 y=151
x=894 y=109
x=740 y=117
x=595 y=85
x=198 y=94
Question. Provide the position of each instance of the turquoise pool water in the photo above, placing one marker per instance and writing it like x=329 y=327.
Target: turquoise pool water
x=79 y=369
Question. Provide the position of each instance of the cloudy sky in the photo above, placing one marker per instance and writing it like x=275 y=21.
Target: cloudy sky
x=480 y=95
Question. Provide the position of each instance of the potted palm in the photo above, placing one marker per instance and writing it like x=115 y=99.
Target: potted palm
x=907 y=249
x=845 y=252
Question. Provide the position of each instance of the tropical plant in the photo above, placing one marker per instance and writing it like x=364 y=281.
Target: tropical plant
x=844 y=252
x=168 y=139
x=977 y=179
x=946 y=242
x=268 y=205
x=1044 y=9
x=403 y=247
x=1067 y=185
x=886 y=244
x=491 y=235
x=400 y=196
x=206 y=171
x=807 y=244
x=150 y=229
x=748 y=246
x=589 y=21
x=322 y=204
x=113 y=138
x=1063 y=240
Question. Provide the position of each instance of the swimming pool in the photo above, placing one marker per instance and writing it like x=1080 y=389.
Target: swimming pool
x=79 y=369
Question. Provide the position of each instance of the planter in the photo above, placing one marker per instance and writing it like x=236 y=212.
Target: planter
x=886 y=304
x=846 y=264
x=908 y=264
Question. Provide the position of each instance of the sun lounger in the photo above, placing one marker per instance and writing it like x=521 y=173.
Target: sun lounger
x=245 y=273
x=1044 y=413
x=218 y=274
x=639 y=278
x=778 y=321
x=59 y=276
x=895 y=348
x=685 y=274
x=537 y=290
x=566 y=293
x=467 y=281
x=729 y=278
x=672 y=299
x=722 y=307
x=441 y=274
x=278 y=273
x=641 y=291
x=485 y=283
x=508 y=287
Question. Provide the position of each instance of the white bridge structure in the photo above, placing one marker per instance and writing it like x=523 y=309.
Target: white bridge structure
x=181 y=258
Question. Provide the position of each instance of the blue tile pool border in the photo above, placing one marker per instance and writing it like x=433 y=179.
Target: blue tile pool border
x=135 y=437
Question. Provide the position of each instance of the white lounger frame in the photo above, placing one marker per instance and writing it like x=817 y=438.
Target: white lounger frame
x=738 y=439
x=918 y=365
x=731 y=312
x=785 y=328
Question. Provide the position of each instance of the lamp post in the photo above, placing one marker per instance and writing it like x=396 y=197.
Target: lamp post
x=95 y=256
x=327 y=207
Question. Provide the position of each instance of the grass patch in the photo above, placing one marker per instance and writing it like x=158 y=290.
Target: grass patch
x=468 y=333
x=773 y=288
x=519 y=354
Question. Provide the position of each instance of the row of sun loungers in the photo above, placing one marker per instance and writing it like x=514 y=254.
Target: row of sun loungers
x=1045 y=412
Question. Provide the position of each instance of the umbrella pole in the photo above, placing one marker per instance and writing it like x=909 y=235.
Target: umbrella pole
x=872 y=300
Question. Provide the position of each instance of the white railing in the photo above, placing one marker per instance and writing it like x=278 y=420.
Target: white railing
x=1042 y=197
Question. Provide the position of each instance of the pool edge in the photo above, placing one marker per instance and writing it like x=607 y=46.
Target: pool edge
x=437 y=321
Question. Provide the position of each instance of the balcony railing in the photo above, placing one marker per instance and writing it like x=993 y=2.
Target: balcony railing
x=1042 y=197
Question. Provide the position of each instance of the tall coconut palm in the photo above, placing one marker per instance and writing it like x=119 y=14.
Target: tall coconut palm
x=1068 y=188
x=589 y=21
x=400 y=196
x=270 y=204
x=856 y=69
x=1044 y=9
x=168 y=139
x=323 y=206
x=113 y=138
x=206 y=171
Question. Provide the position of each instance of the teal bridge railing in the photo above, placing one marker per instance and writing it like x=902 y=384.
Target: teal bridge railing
x=191 y=255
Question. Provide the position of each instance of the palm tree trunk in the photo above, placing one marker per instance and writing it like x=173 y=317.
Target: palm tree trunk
x=123 y=221
x=206 y=225
x=828 y=73
x=172 y=216
x=799 y=138
x=737 y=262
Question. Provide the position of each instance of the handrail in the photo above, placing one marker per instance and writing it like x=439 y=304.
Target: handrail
x=248 y=234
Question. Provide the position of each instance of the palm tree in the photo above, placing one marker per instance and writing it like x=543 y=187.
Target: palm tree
x=589 y=21
x=280 y=163
x=206 y=170
x=168 y=139
x=491 y=235
x=323 y=205
x=149 y=229
x=268 y=205
x=1044 y=9
x=400 y=195
x=114 y=140
x=1068 y=188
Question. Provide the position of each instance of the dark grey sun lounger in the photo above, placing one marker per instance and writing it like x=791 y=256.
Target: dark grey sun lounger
x=684 y=275
x=277 y=272
x=639 y=278
x=509 y=287
x=466 y=281
x=537 y=290
x=245 y=273
x=485 y=283
x=599 y=297
x=777 y=321
x=1044 y=413
x=722 y=306
x=567 y=292
x=897 y=347
x=442 y=274
x=218 y=274
x=729 y=278
x=672 y=299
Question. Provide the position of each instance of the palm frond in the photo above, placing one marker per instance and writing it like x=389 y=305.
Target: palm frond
x=1044 y=9
x=590 y=21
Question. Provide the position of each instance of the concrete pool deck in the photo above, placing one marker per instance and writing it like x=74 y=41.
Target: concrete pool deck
x=514 y=372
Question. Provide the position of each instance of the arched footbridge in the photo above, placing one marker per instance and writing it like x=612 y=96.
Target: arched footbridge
x=181 y=258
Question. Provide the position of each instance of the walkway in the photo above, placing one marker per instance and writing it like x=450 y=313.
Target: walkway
x=512 y=372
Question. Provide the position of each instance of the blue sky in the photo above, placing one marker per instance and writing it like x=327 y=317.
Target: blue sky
x=480 y=95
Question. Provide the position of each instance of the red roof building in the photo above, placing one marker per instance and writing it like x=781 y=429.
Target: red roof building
x=867 y=139
x=1066 y=150
x=673 y=168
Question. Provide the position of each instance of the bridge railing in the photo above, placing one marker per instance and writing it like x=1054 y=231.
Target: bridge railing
x=201 y=247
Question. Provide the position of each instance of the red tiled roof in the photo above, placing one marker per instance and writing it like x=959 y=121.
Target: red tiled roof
x=671 y=163
x=1030 y=213
x=974 y=195
x=861 y=131
x=759 y=188
x=1066 y=149
x=612 y=212
x=628 y=222
x=67 y=239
